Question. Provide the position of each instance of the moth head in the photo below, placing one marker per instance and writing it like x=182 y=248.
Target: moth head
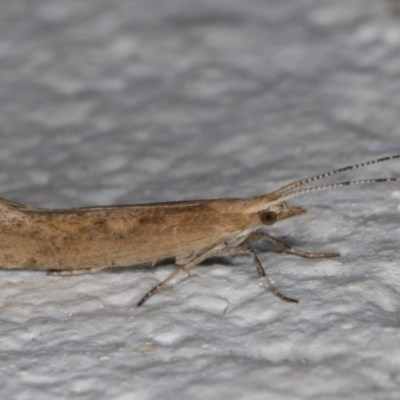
x=272 y=207
x=279 y=212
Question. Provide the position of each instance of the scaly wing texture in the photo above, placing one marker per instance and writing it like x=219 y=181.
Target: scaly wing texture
x=98 y=237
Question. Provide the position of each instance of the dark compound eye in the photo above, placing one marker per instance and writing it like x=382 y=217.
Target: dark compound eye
x=268 y=217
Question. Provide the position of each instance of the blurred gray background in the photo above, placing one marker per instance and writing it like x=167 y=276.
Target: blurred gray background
x=121 y=101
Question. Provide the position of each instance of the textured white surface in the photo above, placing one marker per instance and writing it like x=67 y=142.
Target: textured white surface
x=120 y=101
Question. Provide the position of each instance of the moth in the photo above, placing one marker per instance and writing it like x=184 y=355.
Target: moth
x=89 y=239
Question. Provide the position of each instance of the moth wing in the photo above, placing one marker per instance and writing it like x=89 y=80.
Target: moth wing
x=17 y=206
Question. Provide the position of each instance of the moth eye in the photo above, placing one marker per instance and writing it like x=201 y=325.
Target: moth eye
x=268 y=217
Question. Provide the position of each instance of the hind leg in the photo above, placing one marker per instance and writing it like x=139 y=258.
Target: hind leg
x=185 y=268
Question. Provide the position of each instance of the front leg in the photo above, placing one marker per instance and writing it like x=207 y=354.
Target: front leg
x=282 y=246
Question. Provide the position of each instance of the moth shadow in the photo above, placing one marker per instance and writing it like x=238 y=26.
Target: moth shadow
x=146 y=267
x=260 y=247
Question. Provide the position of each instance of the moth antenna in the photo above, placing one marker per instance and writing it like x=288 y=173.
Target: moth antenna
x=301 y=182
x=296 y=193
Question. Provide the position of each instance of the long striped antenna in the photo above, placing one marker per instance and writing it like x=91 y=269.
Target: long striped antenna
x=296 y=193
x=285 y=189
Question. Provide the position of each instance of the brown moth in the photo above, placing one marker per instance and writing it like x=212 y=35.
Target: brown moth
x=89 y=239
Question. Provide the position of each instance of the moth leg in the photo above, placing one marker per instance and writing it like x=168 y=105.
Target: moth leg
x=68 y=272
x=282 y=246
x=185 y=268
x=184 y=259
x=244 y=249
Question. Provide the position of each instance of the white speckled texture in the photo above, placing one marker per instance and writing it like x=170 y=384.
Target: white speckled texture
x=121 y=101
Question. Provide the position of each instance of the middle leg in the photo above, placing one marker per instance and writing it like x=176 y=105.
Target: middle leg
x=245 y=249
